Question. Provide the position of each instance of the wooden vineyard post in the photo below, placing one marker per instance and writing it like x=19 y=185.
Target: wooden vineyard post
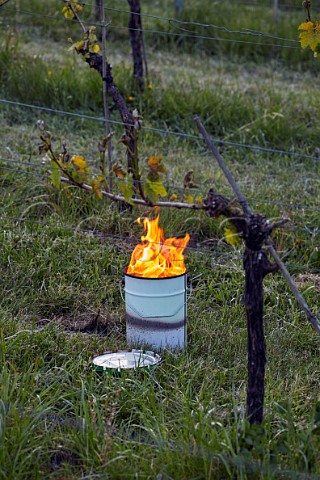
x=105 y=96
x=97 y=8
x=136 y=40
x=179 y=6
x=276 y=12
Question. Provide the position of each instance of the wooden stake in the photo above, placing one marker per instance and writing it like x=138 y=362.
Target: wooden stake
x=276 y=11
x=135 y=28
x=105 y=92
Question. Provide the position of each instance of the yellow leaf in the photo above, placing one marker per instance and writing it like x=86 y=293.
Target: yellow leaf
x=173 y=197
x=199 y=200
x=155 y=164
x=77 y=46
x=79 y=162
x=118 y=170
x=310 y=35
x=306 y=26
x=95 y=188
x=73 y=6
x=94 y=48
x=67 y=12
x=189 y=199
x=231 y=236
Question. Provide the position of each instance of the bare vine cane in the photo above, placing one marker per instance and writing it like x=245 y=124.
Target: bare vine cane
x=137 y=201
x=255 y=230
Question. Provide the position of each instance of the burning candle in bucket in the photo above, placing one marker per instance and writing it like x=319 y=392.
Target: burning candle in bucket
x=155 y=290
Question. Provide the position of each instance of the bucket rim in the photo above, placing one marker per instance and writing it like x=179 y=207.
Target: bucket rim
x=154 y=278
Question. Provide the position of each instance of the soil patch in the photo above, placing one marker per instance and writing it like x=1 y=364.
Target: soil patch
x=89 y=323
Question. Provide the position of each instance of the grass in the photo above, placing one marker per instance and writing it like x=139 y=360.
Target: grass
x=61 y=301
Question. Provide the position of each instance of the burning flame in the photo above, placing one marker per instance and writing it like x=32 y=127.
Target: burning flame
x=157 y=257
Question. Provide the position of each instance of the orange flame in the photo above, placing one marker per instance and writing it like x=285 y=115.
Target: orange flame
x=157 y=257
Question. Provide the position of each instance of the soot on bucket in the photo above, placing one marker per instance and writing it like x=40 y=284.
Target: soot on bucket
x=156 y=311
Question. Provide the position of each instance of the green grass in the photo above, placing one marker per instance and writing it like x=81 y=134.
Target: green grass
x=60 y=285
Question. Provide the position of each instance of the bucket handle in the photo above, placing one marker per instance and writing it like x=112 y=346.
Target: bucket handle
x=162 y=316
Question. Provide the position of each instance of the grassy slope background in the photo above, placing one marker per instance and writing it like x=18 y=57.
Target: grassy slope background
x=60 y=299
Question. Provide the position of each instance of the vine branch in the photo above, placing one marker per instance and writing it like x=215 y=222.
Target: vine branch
x=255 y=230
x=315 y=322
x=137 y=201
x=4 y=2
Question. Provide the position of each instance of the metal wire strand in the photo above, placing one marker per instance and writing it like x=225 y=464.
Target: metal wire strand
x=201 y=251
x=175 y=23
x=162 y=131
x=143 y=182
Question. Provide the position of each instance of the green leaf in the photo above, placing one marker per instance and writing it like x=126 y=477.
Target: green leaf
x=55 y=176
x=127 y=189
x=152 y=190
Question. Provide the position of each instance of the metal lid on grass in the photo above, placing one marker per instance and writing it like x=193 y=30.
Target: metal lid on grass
x=126 y=360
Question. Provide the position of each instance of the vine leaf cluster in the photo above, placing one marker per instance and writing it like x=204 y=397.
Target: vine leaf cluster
x=75 y=170
x=310 y=32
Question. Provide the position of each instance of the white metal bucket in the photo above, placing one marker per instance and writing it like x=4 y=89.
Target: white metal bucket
x=156 y=311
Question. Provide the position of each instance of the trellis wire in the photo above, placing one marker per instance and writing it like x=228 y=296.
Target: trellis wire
x=162 y=131
x=175 y=23
x=293 y=228
x=168 y=186
x=203 y=25
x=12 y=169
x=218 y=39
x=44 y=164
x=267 y=5
x=109 y=235
x=285 y=6
x=98 y=234
x=171 y=21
